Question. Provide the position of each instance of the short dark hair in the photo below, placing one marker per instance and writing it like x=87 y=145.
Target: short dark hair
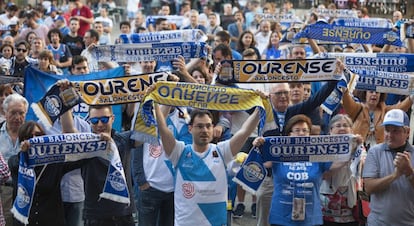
x=124 y=23
x=225 y=50
x=23 y=42
x=77 y=60
x=94 y=34
x=224 y=36
x=199 y=113
x=158 y=21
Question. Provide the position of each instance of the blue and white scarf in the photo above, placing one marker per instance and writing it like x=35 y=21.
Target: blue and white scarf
x=67 y=148
x=351 y=30
x=293 y=149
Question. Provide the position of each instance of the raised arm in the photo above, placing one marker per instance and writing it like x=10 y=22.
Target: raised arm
x=238 y=140
x=167 y=138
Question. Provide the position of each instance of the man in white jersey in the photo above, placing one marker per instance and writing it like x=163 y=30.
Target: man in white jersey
x=201 y=183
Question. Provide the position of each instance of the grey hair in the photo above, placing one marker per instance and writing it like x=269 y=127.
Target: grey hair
x=339 y=117
x=15 y=97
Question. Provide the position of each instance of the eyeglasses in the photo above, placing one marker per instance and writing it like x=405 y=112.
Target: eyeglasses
x=339 y=125
x=21 y=50
x=286 y=93
x=103 y=119
x=298 y=130
x=202 y=126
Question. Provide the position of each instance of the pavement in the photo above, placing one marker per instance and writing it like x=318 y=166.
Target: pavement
x=247 y=219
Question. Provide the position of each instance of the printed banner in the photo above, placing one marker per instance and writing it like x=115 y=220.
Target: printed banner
x=308 y=149
x=149 y=51
x=293 y=149
x=350 y=30
x=177 y=20
x=67 y=148
x=386 y=82
x=197 y=96
x=37 y=83
x=278 y=17
x=119 y=90
x=265 y=71
x=252 y=172
x=366 y=62
x=4 y=79
x=337 y=13
x=188 y=35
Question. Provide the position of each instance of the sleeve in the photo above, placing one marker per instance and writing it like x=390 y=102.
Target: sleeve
x=371 y=165
x=315 y=100
x=225 y=150
x=68 y=54
x=176 y=153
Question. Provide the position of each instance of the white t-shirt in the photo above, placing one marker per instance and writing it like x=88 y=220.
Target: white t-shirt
x=200 y=196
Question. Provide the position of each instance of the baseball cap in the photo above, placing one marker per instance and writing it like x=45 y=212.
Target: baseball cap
x=396 y=117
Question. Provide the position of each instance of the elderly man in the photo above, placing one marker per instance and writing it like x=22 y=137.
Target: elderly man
x=389 y=175
x=15 y=108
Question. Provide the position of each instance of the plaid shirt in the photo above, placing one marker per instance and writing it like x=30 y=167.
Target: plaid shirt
x=4 y=175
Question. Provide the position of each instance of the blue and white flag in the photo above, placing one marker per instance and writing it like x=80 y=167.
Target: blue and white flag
x=67 y=148
x=149 y=51
x=37 y=83
x=351 y=30
x=188 y=35
x=252 y=172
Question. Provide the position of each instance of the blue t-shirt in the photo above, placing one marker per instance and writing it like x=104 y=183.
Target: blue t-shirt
x=297 y=180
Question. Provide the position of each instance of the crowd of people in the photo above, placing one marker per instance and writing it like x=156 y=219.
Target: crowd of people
x=185 y=180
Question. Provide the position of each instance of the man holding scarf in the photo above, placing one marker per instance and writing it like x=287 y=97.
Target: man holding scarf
x=201 y=186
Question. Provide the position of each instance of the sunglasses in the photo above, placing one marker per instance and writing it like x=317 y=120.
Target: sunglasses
x=21 y=50
x=103 y=119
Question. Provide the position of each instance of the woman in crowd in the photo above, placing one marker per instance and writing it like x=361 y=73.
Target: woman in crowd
x=339 y=191
x=295 y=199
x=246 y=40
x=6 y=61
x=30 y=36
x=47 y=63
x=47 y=206
x=200 y=75
x=368 y=114
x=272 y=51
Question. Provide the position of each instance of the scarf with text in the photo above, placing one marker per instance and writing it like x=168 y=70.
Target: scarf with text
x=67 y=148
x=293 y=149
x=200 y=96
x=111 y=91
x=353 y=30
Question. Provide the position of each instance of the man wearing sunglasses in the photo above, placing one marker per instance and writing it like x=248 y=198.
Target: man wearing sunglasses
x=20 y=61
x=99 y=211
